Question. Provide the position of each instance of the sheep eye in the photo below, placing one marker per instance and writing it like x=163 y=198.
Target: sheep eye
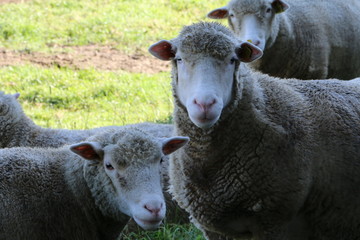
x=231 y=15
x=179 y=60
x=268 y=10
x=109 y=166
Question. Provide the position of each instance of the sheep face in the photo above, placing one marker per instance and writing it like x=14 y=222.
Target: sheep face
x=204 y=86
x=205 y=65
x=251 y=20
x=131 y=166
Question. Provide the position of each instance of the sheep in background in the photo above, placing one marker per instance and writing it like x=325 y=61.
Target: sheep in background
x=302 y=39
x=269 y=158
x=86 y=193
x=17 y=130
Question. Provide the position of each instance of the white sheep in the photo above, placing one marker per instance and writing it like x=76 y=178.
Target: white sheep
x=18 y=130
x=86 y=193
x=302 y=39
x=269 y=158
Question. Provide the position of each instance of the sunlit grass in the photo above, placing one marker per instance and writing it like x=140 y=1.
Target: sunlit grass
x=131 y=25
x=64 y=98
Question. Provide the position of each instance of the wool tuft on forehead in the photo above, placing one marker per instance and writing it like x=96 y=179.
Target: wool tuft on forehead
x=130 y=144
x=208 y=38
x=248 y=6
x=136 y=146
x=139 y=144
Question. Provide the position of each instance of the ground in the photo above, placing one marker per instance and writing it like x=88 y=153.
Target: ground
x=84 y=57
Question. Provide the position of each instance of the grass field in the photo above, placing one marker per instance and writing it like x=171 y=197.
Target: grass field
x=72 y=97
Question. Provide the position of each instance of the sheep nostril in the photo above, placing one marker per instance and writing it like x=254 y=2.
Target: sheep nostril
x=153 y=210
x=206 y=105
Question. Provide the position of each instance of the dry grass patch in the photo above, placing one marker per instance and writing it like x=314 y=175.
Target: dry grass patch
x=86 y=57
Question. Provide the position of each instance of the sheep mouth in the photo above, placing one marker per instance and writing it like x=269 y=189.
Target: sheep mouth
x=206 y=119
x=148 y=224
x=204 y=122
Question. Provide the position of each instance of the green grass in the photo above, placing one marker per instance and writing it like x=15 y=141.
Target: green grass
x=131 y=25
x=64 y=98
x=79 y=99
x=167 y=232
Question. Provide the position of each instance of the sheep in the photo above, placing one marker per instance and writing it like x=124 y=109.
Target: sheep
x=87 y=190
x=300 y=39
x=269 y=158
x=18 y=130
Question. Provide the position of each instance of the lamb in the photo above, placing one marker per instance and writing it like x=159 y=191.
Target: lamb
x=300 y=39
x=17 y=130
x=87 y=190
x=269 y=158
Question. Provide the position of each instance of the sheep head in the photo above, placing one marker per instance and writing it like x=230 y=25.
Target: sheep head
x=251 y=20
x=205 y=58
x=129 y=161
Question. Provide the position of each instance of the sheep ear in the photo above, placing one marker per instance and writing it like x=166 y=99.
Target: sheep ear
x=218 y=13
x=248 y=52
x=279 y=6
x=88 y=150
x=162 y=50
x=170 y=145
x=16 y=95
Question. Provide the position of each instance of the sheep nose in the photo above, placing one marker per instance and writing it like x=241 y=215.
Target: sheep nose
x=153 y=208
x=206 y=105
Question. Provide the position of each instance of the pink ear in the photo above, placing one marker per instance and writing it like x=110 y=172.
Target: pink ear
x=248 y=52
x=218 y=13
x=170 y=145
x=162 y=50
x=89 y=151
x=279 y=6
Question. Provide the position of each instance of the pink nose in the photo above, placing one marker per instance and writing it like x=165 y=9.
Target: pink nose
x=153 y=209
x=206 y=105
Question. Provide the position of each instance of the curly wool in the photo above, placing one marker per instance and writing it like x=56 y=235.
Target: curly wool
x=248 y=6
x=193 y=41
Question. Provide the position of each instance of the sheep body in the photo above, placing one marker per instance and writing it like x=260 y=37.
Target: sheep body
x=18 y=130
x=279 y=160
x=310 y=40
x=53 y=193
